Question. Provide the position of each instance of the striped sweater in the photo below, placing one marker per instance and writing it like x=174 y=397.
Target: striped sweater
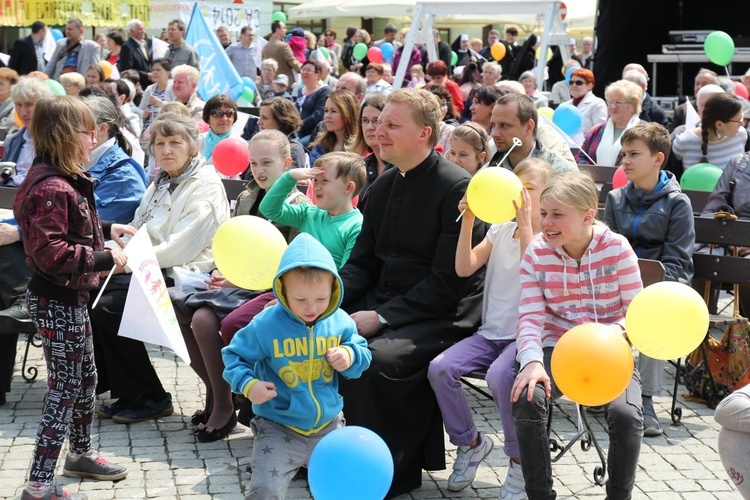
x=559 y=292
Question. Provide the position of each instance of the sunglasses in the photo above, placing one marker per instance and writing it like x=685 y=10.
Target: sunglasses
x=577 y=83
x=219 y=113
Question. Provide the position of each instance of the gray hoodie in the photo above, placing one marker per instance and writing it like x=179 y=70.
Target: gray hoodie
x=733 y=188
x=658 y=224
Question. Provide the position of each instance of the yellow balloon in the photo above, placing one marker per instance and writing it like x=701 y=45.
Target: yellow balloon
x=539 y=53
x=17 y=119
x=498 y=51
x=546 y=111
x=247 y=251
x=667 y=320
x=106 y=68
x=491 y=193
x=592 y=365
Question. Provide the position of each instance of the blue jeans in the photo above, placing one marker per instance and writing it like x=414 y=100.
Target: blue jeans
x=625 y=425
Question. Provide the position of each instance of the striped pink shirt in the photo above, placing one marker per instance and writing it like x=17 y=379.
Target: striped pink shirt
x=559 y=292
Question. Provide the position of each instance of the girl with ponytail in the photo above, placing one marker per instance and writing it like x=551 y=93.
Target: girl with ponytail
x=720 y=136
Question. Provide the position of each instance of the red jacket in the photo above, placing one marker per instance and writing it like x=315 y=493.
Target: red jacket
x=455 y=91
x=63 y=237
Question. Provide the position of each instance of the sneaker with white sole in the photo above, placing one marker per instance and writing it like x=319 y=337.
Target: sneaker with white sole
x=514 y=487
x=467 y=462
x=92 y=466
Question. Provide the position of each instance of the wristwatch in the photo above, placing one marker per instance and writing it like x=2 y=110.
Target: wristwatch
x=382 y=320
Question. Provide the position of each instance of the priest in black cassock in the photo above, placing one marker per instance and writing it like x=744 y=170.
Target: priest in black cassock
x=401 y=288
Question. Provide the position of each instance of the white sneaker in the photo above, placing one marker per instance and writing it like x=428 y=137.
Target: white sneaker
x=467 y=462
x=514 y=487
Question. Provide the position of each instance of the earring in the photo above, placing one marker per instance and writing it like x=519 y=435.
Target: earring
x=719 y=135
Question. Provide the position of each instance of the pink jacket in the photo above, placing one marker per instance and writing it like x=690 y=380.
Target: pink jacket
x=559 y=292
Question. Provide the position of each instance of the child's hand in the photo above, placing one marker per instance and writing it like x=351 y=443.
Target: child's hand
x=463 y=206
x=339 y=358
x=531 y=374
x=217 y=281
x=301 y=174
x=119 y=257
x=261 y=392
x=523 y=213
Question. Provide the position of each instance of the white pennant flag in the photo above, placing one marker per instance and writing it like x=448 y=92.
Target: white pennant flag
x=691 y=116
x=148 y=314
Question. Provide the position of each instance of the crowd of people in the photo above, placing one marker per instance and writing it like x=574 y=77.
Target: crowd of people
x=380 y=282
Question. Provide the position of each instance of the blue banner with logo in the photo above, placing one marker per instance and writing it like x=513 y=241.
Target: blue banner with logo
x=218 y=75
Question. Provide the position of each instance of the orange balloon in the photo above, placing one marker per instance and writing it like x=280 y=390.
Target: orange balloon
x=592 y=365
x=106 y=68
x=17 y=119
x=498 y=51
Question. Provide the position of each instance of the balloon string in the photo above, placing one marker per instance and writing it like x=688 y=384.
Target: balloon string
x=726 y=68
x=516 y=142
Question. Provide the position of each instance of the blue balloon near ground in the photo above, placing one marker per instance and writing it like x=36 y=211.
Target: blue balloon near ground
x=350 y=462
x=249 y=82
x=568 y=118
x=56 y=34
x=387 y=49
x=569 y=73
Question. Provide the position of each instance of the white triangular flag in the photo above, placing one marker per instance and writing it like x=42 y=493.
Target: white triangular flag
x=691 y=116
x=148 y=315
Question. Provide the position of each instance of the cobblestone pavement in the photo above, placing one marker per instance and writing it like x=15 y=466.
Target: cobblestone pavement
x=167 y=462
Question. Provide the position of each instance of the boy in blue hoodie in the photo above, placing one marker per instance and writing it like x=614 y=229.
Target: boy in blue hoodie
x=657 y=219
x=284 y=363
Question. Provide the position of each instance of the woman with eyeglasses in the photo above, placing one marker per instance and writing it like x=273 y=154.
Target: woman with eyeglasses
x=313 y=100
x=593 y=109
x=64 y=245
x=367 y=143
x=220 y=112
x=721 y=135
x=602 y=144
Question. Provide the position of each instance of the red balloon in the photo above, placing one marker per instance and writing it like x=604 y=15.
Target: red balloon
x=231 y=156
x=374 y=55
x=618 y=180
x=740 y=90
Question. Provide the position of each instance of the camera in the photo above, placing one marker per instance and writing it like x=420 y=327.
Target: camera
x=7 y=170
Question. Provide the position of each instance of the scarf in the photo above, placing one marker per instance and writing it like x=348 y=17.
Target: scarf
x=609 y=149
x=212 y=139
x=577 y=100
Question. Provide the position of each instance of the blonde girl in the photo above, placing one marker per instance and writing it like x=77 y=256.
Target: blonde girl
x=493 y=347
x=576 y=271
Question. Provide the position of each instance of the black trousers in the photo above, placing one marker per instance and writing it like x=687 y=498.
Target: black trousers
x=394 y=399
x=14 y=278
x=123 y=364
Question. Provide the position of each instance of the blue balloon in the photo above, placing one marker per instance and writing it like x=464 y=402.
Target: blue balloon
x=568 y=118
x=350 y=459
x=249 y=82
x=56 y=34
x=569 y=73
x=387 y=49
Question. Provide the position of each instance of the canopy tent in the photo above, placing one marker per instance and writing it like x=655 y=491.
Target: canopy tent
x=578 y=11
x=427 y=11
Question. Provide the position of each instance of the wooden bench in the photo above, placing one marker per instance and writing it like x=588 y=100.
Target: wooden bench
x=722 y=269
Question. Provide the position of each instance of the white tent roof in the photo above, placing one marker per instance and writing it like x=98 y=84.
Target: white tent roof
x=514 y=11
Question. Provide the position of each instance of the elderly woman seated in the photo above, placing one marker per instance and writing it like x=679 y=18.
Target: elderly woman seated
x=180 y=211
x=73 y=83
x=602 y=144
x=8 y=78
x=531 y=87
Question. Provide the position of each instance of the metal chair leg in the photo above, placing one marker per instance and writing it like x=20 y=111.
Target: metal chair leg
x=30 y=373
x=585 y=436
x=676 y=412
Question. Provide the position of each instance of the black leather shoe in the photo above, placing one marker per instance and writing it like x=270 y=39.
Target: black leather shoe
x=2 y=398
x=15 y=319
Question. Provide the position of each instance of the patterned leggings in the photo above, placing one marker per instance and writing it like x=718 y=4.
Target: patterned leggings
x=71 y=380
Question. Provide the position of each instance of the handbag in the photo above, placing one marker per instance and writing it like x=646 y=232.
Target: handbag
x=716 y=368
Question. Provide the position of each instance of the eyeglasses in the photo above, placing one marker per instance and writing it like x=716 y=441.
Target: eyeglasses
x=89 y=133
x=219 y=113
x=329 y=34
x=617 y=103
x=741 y=122
x=577 y=83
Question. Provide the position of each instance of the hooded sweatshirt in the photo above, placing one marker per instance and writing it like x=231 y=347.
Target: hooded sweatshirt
x=559 y=292
x=279 y=347
x=658 y=224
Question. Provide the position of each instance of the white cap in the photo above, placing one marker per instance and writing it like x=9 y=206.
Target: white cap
x=464 y=37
